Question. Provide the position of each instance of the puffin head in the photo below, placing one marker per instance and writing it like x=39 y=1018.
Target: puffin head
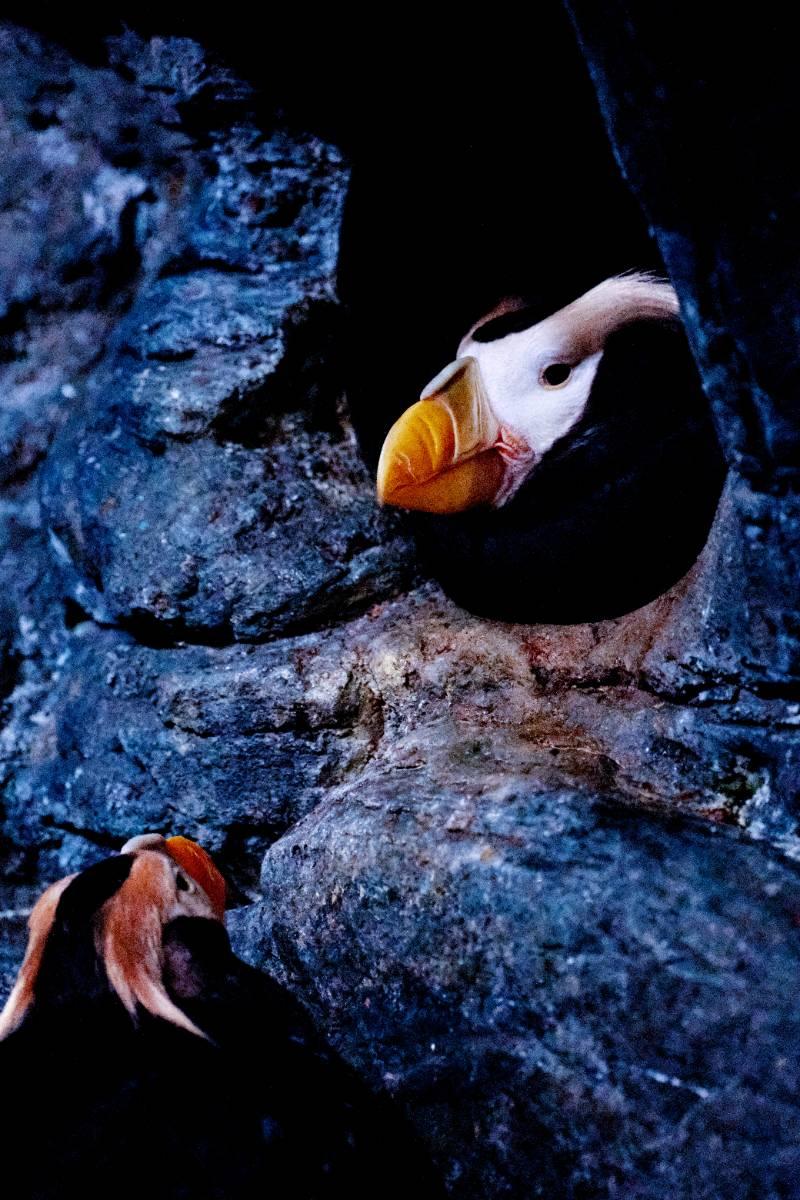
x=516 y=388
x=564 y=469
x=107 y=924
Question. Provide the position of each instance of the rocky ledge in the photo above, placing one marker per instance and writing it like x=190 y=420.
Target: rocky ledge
x=538 y=882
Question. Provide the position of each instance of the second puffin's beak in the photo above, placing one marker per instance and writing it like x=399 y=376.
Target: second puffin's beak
x=439 y=456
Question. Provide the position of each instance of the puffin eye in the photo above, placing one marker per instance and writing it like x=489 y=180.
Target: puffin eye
x=555 y=375
x=182 y=883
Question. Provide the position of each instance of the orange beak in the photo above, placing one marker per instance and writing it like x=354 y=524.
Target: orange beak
x=440 y=455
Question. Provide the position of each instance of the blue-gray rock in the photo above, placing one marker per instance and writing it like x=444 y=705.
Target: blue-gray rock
x=90 y=194
x=570 y=1001
x=699 y=123
x=538 y=882
x=209 y=488
x=231 y=746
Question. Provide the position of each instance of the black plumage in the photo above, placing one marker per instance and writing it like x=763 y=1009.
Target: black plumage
x=511 y=190
x=613 y=515
x=100 y=1104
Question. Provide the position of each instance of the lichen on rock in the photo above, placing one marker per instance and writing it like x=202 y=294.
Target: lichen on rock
x=538 y=882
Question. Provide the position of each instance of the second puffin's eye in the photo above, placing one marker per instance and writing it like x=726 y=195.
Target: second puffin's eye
x=555 y=375
x=182 y=883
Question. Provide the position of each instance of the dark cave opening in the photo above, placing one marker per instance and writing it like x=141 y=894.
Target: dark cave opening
x=425 y=807
x=481 y=170
x=494 y=180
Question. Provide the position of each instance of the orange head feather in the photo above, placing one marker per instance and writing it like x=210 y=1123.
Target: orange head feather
x=128 y=926
x=198 y=863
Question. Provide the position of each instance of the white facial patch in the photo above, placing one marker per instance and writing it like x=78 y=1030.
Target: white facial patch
x=513 y=370
x=533 y=413
x=538 y=380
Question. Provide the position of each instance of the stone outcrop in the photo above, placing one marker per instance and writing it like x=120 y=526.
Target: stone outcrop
x=537 y=882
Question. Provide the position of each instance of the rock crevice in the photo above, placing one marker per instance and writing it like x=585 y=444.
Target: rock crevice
x=538 y=882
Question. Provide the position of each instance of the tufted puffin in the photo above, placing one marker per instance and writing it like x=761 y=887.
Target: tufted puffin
x=140 y=1056
x=569 y=463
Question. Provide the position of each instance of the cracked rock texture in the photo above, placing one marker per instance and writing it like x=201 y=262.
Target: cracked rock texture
x=559 y=970
x=703 y=149
x=538 y=882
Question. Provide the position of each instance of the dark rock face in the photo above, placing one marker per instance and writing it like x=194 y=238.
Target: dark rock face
x=539 y=882
x=704 y=150
x=234 y=743
x=189 y=495
x=204 y=489
x=91 y=169
x=557 y=969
